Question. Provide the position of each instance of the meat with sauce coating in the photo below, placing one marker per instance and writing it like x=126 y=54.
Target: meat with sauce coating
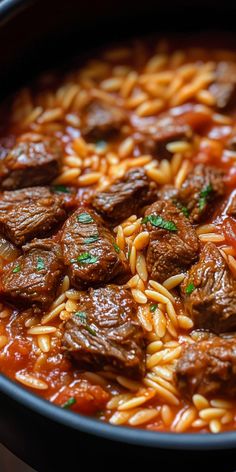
x=89 y=250
x=207 y=367
x=30 y=163
x=173 y=244
x=32 y=279
x=209 y=292
x=125 y=196
x=101 y=120
x=106 y=331
x=29 y=212
x=201 y=191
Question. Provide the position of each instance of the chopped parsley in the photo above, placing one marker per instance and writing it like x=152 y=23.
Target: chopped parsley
x=153 y=307
x=91 y=239
x=83 y=318
x=204 y=196
x=116 y=247
x=40 y=264
x=128 y=253
x=101 y=145
x=85 y=218
x=61 y=189
x=182 y=208
x=190 y=288
x=90 y=330
x=81 y=315
x=16 y=269
x=71 y=401
x=86 y=258
x=159 y=222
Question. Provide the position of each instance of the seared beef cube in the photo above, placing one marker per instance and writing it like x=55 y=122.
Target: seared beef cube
x=30 y=164
x=89 y=250
x=224 y=87
x=173 y=244
x=155 y=138
x=209 y=292
x=101 y=120
x=32 y=279
x=175 y=125
x=105 y=331
x=125 y=196
x=204 y=185
x=169 y=193
x=231 y=210
x=29 y=212
x=208 y=367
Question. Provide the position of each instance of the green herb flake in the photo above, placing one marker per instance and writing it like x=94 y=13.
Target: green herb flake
x=71 y=401
x=190 y=288
x=61 y=189
x=204 y=196
x=90 y=330
x=159 y=222
x=153 y=307
x=83 y=318
x=87 y=258
x=16 y=269
x=91 y=239
x=40 y=264
x=182 y=208
x=81 y=315
x=85 y=218
x=116 y=247
x=101 y=145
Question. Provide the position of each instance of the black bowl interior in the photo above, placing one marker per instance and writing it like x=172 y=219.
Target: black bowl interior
x=40 y=34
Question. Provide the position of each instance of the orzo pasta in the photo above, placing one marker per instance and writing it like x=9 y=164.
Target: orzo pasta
x=118 y=238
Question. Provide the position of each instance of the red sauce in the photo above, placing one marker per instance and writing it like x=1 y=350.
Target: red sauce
x=21 y=353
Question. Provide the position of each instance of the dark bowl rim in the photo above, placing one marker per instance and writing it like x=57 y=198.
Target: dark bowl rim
x=76 y=421
x=123 y=434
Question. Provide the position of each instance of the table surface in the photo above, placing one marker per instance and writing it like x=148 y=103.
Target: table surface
x=10 y=463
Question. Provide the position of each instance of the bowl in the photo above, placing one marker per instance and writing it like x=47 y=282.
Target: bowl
x=35 y=35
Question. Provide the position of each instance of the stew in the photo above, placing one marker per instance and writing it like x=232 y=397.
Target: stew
x=118 y=237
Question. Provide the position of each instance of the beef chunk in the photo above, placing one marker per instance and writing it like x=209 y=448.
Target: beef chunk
x=224 y=87
x=89 y=250
x=204 y=185
x=169 y=193
x=105 y=331
x=32 y=278
x=155 y=139
x=208 y=367
x=30 y=164
x=173 y=245
x=175 y=125
x=29 y=212
x=211 y=302
x=101 y=120
x=125 y=196
x=231 y=209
